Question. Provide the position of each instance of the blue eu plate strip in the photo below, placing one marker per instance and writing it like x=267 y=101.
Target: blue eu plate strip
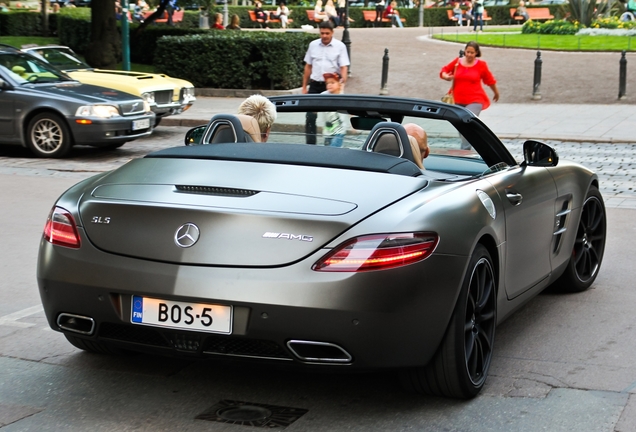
x=137 y=309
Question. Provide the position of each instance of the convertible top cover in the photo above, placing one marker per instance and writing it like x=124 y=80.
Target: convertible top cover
x=291 y=154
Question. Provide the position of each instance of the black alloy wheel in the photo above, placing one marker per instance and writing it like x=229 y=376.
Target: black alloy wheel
x=479 y=322
x=589 y=245
x=460 y=366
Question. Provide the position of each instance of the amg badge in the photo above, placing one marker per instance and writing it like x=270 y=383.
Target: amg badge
x=288 y=236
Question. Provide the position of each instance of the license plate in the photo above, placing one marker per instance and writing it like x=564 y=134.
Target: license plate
x=209 y=318
x=141 y=124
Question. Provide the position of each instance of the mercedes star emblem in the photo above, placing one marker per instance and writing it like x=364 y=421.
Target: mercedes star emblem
x=187 y=235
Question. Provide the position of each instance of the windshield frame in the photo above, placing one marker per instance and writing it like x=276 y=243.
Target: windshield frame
x=484 y=141
x=76 y=62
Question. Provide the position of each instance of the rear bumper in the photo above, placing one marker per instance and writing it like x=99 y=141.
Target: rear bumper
x=394 y=318
x=107 y=131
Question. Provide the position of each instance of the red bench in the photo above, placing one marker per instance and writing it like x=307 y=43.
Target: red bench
x=453 y=18
x=369 y=17
x=535 y=14
x=177 y=16
x=311 y=15
x=269 y=19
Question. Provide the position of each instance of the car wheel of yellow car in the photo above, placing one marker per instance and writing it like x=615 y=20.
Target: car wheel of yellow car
x=47 y=135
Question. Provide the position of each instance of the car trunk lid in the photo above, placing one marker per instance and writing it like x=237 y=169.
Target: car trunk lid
x=241 y=214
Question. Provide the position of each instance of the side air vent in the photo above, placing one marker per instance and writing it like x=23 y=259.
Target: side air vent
x=560 y=226
x=218 y=191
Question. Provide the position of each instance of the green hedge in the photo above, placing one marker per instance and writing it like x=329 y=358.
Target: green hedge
x=144 y=45
x=246 y=60
x=75 y=28
x=25 y=23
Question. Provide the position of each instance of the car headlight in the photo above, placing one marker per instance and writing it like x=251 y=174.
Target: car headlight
x=103 y=111
x=149 y=97
x=187 y=94
x=146 y=106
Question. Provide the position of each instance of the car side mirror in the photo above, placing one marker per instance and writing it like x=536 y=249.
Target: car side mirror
x=195 y=135
x=3 y=84
x=536 y=153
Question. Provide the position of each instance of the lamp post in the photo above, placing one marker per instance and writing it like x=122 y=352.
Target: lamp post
x=345 y=36
x=125 y=43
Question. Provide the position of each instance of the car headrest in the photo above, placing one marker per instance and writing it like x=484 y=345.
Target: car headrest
x=228 y=128
x=415 y=149
x=391 y=138
x=250 y=126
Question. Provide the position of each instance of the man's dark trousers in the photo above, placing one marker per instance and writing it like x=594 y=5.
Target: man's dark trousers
x=315 y=87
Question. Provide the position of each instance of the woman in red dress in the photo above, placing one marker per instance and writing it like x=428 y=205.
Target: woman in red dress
x=470 y=73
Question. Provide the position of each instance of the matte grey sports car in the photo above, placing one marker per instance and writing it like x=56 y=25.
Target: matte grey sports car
x=349 y=256
x=46 y=111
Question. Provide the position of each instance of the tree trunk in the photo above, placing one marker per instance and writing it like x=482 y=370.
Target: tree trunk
x=45 y=17
x=104 y=49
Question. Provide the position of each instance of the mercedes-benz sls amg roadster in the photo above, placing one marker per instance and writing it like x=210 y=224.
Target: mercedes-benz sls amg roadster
x=337 y=256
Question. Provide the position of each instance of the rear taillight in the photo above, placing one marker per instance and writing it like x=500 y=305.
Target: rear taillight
x=60 y=229
x=378 y=252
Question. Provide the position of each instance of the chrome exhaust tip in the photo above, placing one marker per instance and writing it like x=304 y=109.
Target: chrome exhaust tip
x=76 y=323
x=319 y=352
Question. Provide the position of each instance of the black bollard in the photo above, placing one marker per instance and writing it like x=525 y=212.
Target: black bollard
x=536 y=90
x=622 y=77
x=385 y=73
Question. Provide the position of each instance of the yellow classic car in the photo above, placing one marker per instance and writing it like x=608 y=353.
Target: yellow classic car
x=165 y=95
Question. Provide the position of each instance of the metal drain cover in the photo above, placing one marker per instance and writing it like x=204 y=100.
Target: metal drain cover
x=251 y=414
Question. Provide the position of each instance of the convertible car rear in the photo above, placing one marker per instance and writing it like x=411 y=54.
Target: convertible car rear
x=348 y=257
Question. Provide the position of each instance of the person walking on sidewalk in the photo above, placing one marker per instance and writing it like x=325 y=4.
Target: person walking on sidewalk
x=379 y=13
x=478 y=14
x=324 y=55
x=468 y=73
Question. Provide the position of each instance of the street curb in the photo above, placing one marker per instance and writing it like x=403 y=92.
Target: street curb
x=243 y=93
x=567 y=138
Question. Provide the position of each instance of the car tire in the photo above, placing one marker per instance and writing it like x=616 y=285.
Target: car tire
x=47 y=135
x=157 y=121
x=92 y=346
x=460 y=366
x=589 y=246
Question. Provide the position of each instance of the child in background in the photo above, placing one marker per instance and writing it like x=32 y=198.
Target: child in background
x=218 y=22
x=334 y=129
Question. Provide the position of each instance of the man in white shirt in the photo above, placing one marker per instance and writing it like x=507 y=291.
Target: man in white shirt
x=324 y=55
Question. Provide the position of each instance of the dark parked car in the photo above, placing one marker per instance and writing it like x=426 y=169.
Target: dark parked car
x=333 y=257
x=46 y=111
